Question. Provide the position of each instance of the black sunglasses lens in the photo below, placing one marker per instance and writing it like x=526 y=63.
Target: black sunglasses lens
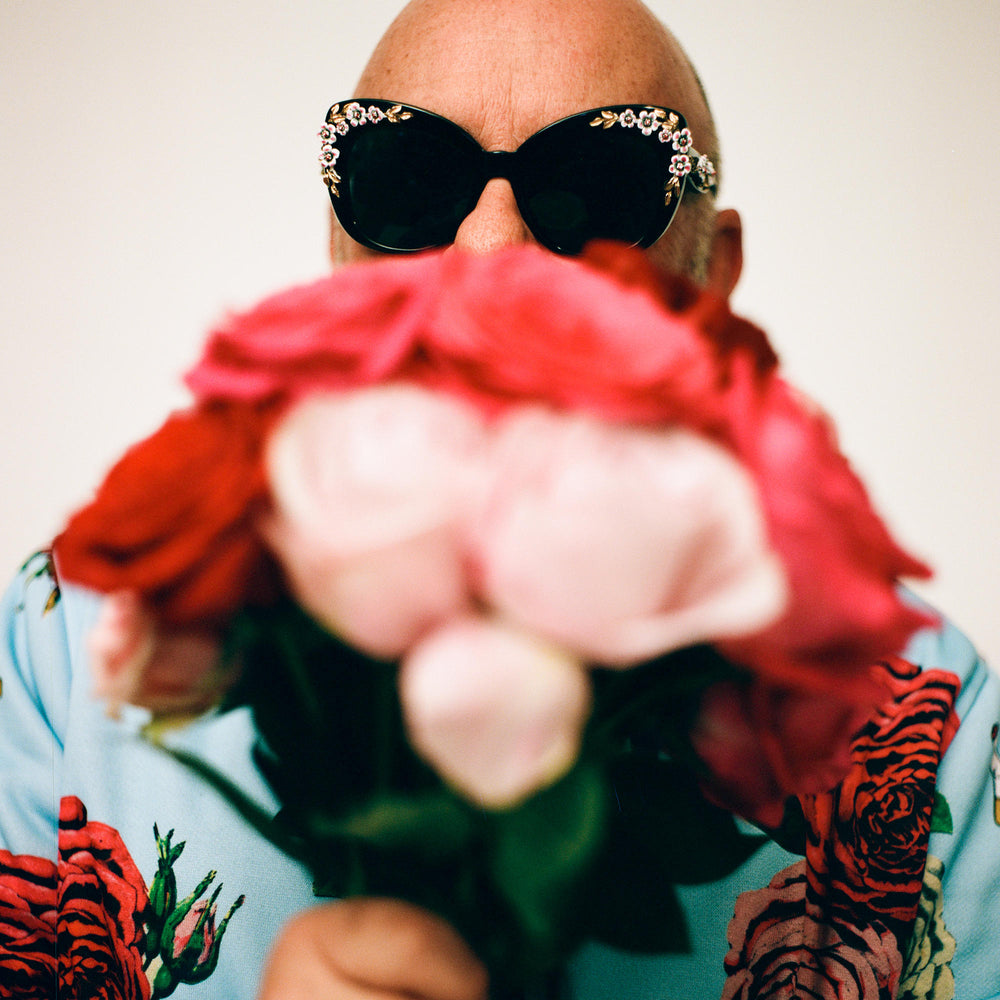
x=408 y=187
x=581 y=183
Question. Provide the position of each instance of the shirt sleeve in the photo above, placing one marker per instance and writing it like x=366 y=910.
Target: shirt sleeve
x=965 y=845
x=954 y=951
x=34 y=698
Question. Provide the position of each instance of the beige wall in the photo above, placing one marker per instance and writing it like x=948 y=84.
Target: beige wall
x=158 y=164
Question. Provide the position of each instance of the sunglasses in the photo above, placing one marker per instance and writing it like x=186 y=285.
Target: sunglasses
x=403 y=179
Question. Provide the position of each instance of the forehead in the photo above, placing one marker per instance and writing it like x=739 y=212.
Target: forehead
x=502 y=71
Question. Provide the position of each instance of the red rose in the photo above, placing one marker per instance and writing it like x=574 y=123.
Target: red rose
x=763 y=743
x=525 y=325
x=27 y=927
x=172 y=520
x=102 y=906
x=778 y=949
x=338 y=332
x=729 y=336
x=869 y=836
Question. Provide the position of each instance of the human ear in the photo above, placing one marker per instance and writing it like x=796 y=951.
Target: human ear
x=342 y=249
x=726 y=261
x=338 y=239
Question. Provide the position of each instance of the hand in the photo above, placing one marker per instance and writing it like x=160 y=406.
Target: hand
x=371 y=949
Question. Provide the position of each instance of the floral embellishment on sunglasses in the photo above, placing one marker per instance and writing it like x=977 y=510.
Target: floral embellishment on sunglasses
x=339 y=123
x=594 y=174
x=687 y=162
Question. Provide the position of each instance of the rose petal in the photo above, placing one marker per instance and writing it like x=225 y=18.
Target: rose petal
x=134 y=663
x=172 y=520
x=380 y=601
x=762 y=744
x=369 y=491
x=845 y=610
x=496 y=712
x=361 y=470
x=622 y=543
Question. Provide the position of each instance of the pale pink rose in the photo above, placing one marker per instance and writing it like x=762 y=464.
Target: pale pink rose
x=133 y=662
x=369 y=490
x=622 y=543
x=496 y=711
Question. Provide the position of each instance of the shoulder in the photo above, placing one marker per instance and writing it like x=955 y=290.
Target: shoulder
x=44 y=628
x=963 y=882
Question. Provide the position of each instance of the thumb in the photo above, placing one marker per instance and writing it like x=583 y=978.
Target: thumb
x=371 y=949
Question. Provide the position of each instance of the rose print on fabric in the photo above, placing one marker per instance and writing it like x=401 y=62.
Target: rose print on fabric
x=782 y=948
x=27 y=927
x=868 y=837
x=86 y=928
x=927 y=971
x=101 y=911
x=74 y=928
x=857 y=917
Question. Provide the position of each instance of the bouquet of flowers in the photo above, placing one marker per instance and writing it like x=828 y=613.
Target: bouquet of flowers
x=533 y=571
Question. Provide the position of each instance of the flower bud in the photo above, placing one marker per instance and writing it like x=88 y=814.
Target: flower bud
x=191 y=941
x=163 y=891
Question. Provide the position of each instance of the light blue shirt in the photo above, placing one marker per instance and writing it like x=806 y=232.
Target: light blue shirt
x=56 y=741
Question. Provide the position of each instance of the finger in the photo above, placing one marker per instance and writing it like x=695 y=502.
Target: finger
x=371 y=949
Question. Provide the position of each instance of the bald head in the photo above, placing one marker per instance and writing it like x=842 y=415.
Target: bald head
x=510 y=67
x=503 y=69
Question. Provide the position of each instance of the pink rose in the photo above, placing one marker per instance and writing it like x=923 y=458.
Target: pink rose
x=525 y=326
x=845 y=611
x=519 y=325
x=622 y=543
x=370 y=489
x=135 y=661
x=496 y=711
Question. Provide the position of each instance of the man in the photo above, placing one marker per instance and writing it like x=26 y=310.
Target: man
x=503 y=71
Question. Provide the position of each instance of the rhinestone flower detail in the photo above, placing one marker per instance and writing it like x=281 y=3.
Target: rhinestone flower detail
x=340 y=121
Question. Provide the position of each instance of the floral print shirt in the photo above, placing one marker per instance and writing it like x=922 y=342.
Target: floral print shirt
x=121 y=876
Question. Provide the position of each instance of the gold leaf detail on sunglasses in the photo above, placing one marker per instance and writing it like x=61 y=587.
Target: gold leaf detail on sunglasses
x=396 y=114
x=669 y=188
x=332 y=179
x=606 y=119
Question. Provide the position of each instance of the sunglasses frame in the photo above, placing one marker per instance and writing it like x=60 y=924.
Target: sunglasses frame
x=685 y=166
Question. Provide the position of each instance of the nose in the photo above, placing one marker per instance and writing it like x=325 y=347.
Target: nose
x=495 y=222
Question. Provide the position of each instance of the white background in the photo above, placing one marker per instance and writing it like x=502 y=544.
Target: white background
x=158 y=166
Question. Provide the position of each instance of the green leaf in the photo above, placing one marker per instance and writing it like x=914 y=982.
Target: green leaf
x=941 y=821
x=540 y=850
x=431 y=824
x=662 y=833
